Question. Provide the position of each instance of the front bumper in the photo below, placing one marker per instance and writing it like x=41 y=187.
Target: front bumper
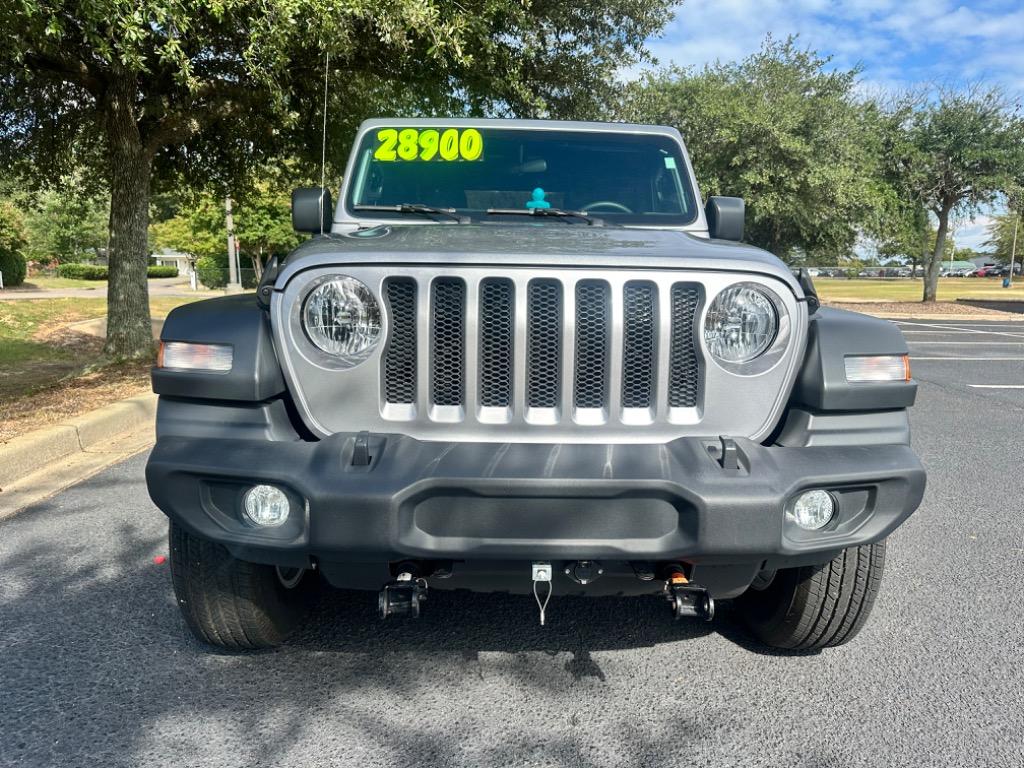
x=482 y=501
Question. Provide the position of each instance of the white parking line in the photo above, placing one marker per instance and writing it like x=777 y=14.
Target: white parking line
x=974 y=343
x=944 y=333
x=967 y=324
x=957 y=329
x=996 y=386
x=989 y=359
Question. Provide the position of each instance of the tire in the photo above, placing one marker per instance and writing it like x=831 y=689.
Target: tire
x=232 y=603
x=818 y=606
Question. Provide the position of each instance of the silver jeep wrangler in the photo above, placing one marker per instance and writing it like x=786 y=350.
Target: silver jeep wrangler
x=520 y=356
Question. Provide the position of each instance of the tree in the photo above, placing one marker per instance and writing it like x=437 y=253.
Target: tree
x=957 y=154
x=65 y=224
x=12 y=243
x=786 y=133
x=263 y=225
x=262 y=229
x=160 y=92
x=1003 y=230
x=907 y=235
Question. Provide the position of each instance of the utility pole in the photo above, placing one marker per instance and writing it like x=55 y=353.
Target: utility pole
x=234 y=286
x=1013 y=250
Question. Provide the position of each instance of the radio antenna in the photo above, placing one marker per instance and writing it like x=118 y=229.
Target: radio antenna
x=323 y=145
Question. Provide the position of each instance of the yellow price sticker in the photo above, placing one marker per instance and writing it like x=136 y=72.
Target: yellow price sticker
x=412 y=144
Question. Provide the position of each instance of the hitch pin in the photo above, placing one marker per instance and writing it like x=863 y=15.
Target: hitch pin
x=542 y=573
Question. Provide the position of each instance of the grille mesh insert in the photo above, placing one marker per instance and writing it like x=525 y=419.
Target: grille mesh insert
x=496 y=335
x=447 y=386
x=591 y=376
x=543 y=343
x=400 y=358
x=447 y=330
x=638 y=350
x=684 y=371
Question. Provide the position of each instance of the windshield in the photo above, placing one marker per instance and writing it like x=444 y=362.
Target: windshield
x=631 y=179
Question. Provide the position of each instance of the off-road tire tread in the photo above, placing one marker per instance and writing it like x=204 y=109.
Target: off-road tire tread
x=819 y=606
x=229 y=602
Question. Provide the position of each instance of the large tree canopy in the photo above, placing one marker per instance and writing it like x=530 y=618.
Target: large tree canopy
x=155 y=91
x=956 y=154
x=786 y=133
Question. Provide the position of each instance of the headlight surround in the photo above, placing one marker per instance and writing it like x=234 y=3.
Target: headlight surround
x=741 y=324
x=341 y=317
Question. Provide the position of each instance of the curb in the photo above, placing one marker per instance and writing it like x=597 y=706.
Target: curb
x=26 y=454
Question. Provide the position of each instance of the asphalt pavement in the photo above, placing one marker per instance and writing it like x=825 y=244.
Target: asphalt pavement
x=98 y=669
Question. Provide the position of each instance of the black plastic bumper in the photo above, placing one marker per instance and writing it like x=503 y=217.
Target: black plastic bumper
x=480 y=501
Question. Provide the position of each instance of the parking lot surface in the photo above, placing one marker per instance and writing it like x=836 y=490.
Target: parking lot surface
x=98 y=669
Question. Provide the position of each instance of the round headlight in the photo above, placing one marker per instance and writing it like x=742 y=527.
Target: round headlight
x=342 y=318
x=741 y=324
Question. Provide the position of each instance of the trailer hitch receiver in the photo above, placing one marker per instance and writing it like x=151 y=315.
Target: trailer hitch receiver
x=688 y=599
x=402 y=597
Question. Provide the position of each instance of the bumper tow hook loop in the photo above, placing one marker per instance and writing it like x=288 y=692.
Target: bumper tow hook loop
x=542 y=573
x=361 y=450
x=688 y=599
x=402 y=597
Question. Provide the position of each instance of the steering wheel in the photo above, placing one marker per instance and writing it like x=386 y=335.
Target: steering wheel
x=606 y=204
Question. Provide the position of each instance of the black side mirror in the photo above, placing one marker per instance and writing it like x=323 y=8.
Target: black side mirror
x=312 y=210
x=725 y=217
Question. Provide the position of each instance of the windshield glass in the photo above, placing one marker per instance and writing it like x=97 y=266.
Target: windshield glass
x=631 y=179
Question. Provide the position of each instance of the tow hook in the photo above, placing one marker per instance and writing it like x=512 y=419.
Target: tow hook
x=403 y=596
x=688 y=599
x=542 y=573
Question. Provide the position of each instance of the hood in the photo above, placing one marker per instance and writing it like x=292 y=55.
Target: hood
x=551 y=243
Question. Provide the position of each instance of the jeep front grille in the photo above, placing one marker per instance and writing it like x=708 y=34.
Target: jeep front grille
x=497 y=352
x=590 y=356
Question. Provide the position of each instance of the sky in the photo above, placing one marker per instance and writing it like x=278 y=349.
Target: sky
x=898 y=45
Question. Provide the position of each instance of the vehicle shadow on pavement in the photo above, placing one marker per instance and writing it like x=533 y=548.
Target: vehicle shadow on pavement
x=346 y=621
x=462 y=621
x=98 y=668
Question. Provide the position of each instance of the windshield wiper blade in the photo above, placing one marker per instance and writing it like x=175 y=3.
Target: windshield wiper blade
x=593 y=221
x=427 y=210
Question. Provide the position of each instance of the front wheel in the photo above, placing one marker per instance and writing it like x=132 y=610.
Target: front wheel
x=816 y=606
x=233 y=603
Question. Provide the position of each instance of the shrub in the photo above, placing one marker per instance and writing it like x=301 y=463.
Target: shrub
x=77 y=271
x=210 y=273
x=162 y=271
x=12 y=266
x=12 y=245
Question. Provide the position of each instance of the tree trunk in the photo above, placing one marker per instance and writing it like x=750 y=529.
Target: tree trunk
x=931 y=272
x=129 y=330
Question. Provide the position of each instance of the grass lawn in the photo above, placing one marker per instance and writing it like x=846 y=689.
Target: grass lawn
x=46 y=282
x=48 y=371
x=54 y=282
x=905 y=289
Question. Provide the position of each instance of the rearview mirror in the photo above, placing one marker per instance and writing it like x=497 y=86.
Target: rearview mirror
x=725 y=217
x=312 y=210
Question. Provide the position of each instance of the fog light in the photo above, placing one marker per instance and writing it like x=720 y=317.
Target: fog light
x=266 y=505
x=813 y=509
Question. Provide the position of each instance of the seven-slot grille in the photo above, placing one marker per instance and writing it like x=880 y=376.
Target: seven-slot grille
x=588 y=346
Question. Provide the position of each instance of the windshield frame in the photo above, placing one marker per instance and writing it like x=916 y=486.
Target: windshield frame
x=346 y=218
